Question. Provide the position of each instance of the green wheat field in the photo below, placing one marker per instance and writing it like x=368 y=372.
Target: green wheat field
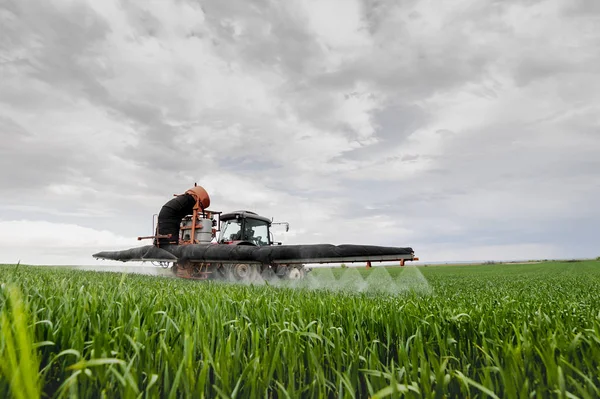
x=489 y=331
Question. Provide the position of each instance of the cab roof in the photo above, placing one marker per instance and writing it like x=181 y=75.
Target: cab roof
x=244 y=215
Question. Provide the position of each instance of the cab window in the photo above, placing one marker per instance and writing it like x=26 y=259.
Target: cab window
x=231 y=230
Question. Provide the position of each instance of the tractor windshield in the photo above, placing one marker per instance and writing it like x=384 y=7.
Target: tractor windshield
x=252 y=230
x=256 y=231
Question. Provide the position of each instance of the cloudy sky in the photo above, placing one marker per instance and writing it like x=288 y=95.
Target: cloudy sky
x=469 y=130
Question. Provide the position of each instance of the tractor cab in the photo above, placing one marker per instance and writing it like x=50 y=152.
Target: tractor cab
x=245 y=226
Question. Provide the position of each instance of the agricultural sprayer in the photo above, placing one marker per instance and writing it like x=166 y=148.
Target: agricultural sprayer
x=199 y=243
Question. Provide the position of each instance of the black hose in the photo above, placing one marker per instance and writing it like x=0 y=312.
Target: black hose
x=170 y=215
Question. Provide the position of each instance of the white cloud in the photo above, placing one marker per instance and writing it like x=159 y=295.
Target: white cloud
x=30 y=233
x=484 y=253
x=41 y=242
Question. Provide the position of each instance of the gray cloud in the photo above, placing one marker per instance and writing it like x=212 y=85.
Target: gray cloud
x=267 y=34
x=581 y=8
x=465 y=129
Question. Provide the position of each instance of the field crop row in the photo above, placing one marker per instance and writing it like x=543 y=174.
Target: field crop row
x=466 y=331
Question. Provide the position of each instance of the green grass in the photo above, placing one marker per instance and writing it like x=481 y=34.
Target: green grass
x=510 y=331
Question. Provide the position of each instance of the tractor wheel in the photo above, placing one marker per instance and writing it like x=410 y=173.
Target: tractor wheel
x=267 y=274
x=183 y=269
x=295 y=274
x=241 y=271
x=221 y=272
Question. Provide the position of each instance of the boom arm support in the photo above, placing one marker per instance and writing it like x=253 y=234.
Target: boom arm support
x=284 y=254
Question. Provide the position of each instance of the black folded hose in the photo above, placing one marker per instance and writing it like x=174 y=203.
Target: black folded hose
x=321 y=253
x=170 y=215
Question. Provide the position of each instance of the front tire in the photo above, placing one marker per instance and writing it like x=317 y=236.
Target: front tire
x=241 y=271
x=295 y=273
x=267 y=274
